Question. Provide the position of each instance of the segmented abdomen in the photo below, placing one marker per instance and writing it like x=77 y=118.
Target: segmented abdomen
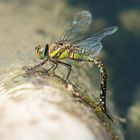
x=99 y=63
x=78 y=54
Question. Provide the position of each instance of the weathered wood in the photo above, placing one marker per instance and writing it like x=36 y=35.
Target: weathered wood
x=41 y=106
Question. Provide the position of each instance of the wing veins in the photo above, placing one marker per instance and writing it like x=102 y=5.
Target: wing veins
x=80 y=22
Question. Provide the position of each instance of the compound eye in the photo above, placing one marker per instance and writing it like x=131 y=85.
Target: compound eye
x=41 y=49
x=36 y=48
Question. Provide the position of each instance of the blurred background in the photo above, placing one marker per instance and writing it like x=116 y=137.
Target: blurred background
x=26 y=23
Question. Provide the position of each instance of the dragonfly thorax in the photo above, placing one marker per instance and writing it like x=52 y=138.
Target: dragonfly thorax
x=41 y=51
x=60 y=44
x=59 y=50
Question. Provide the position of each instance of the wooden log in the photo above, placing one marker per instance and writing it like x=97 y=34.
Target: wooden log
x=38 y=106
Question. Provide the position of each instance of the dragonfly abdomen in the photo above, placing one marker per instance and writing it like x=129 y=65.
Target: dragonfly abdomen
x=103 y=74
x=78 y=54
x=79 y=57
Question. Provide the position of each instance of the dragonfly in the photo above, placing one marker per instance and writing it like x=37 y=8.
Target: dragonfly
x=79 y=48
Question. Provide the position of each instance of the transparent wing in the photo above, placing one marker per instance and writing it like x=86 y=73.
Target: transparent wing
x=93 y=51
x=80 y=22
x=92 y=45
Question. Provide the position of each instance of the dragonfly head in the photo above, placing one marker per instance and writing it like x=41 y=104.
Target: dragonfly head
x=41 y=51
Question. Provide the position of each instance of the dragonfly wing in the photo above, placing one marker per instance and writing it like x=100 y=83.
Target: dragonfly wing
x=95 y=38
x=91 y=51
x=105 y=32
x=95 y=50
x=91 y=45
x=80 y=22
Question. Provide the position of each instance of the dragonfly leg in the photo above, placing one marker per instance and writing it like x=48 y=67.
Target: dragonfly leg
x=66 y=65
x=54 y=65
x=99 y=63
x=36 y=66
x=39 y=65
